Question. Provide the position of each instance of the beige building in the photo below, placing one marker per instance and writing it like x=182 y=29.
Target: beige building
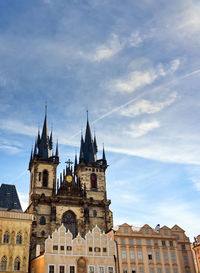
x=196 y=252
x=15 y=229
x=147 y=250
x=63 y=254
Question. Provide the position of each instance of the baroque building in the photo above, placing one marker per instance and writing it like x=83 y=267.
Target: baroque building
x=63 y=254
x=78 y=199
x=196 y=252
x=15 y=229
x=147 y=250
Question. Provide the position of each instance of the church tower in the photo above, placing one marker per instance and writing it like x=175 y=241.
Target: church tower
x=78 y=199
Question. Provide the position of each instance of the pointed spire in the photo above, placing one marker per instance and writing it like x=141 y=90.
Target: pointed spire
x=38 y=138
x=51 y=140
x=104 y=156
x=35 y=148
x=89 y=151
x=81 y=156
x=57 y=154
x=44 y=146
x=31 y=157
x=95 y=143
x=75 y=161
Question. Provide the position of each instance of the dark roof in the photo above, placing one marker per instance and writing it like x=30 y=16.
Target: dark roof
x=9 y=199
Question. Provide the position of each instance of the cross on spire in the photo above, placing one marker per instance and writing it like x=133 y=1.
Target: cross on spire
x=69 y=163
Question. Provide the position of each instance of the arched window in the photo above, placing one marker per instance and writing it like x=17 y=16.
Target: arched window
x=3 y=263
x=17 y=264
x=93 y=181
x=19 y=238
x=42 y=220
x=6 y=237
x=69 y=221
x=45 y=177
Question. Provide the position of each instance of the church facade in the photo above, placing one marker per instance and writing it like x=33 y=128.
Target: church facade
x=78 y=199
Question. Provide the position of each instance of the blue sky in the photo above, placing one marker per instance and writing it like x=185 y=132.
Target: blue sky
x=136 y=66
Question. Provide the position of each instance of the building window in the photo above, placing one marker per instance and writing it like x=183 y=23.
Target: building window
x=138 y=242
x=90 y=249
x=110 y=269
x=123 y=254
x=132 y=255
x=133 y=270
x=19 y=238
x=45 y=178
x=125 y=269
x=150 y=255
x=171 y=243
x=125 y=230
x=39 y=176
x=130 y=241
x=94 y=213
x=17 y=264
x=185 y=258
x=71 y=269
x=159 y=270
x=61 y=269
x=104 y=249
x=93 y=181
x=42 y=220
x=167 y=270
x=183 y=247
x=139 y=253
x=173 y=256
x=122 y=241
x=163 y=243
x=6 y=237
x=147 y=231
x=141 y=270
x=42 y=233
x=51 y=268
x=165 y=232
x=175 y=270
x=155 y=242
x=55 y=247
x=3 y=263
x=152 y=270
x=148 y=242
x=157 y=256
x=91 y=269
x=165 y=256
x=101 y=269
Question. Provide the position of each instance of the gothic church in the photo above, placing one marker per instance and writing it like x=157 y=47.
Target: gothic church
x=77 y=199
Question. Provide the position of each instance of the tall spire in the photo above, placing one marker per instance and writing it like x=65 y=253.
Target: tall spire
x=104 y=155
x=89 y=151
x=44 y=147
x=75 y=161
x=57 y=149
x=81 y=156
x=95 y=143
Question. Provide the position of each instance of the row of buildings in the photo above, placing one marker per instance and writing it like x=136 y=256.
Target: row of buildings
x=68 y=226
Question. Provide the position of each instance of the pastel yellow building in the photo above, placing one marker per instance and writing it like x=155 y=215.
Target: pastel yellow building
x=147 y=250
x=63 y=254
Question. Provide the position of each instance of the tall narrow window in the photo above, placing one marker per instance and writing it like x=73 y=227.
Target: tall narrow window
x=6 y=237
x=42 y=220
x=72 y=269
x=45 y=177
x=3 y=263
x=123 y=254
x=91 y=268
x=19 y=238
x=61 y=269
x=17 y=264
x=51 y=268
x=93 y=180
x=110 y=269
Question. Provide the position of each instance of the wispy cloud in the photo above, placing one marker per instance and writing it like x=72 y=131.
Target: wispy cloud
x=142 y=129
x=113 y=46
x=17 y=127
x=147 y=107
x=137 y=79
